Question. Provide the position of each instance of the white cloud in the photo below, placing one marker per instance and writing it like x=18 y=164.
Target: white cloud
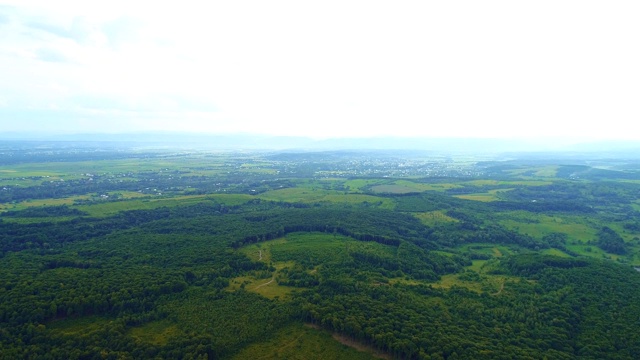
x=494 y=68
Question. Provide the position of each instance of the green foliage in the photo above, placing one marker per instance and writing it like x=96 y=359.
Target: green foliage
x=609 y=240
x=204 y=265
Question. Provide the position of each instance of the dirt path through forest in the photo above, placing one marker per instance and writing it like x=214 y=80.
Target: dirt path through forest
x=501 y=288
x=265 y=284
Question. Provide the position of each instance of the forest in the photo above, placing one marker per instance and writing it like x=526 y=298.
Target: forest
x=156 y=254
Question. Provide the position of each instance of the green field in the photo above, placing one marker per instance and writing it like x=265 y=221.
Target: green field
x=107 y=208
x=304 y=342
x=406 y=186
x=491 y=195
x=308 y=195
x=539 y=225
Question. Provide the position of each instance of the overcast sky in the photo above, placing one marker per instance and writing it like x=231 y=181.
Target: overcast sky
x=323 y=68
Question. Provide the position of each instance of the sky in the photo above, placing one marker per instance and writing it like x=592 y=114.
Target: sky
x=323 y=69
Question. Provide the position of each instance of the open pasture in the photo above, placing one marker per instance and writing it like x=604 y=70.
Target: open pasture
x=539 y=225
x=406 y=186
x=43 y=202
x=485 y=182
x=489 y=196
x=109 y=208
x=314 y=195
x=547 y=171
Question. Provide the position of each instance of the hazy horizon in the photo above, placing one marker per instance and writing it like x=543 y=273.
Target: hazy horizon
x=563 y=71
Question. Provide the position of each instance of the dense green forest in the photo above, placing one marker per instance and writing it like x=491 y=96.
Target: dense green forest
x=195 y=255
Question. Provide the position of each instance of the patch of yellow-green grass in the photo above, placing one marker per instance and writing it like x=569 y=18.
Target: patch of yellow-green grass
x=484 y=197
x=384 y=203
x=80 y=326
x=35 y=220
x=310 y=195
x=254 y=170
x=507 y=182
x=432 y=218
x=297 y=194
x=488 y=249
x=538 y=171
x=546 y=225
x=155 y=333
x=489 y=196
x=127 y=194
x=392 y=189
x=450 y=280
x=267 y=287
x=477 y=265
x=592 y=251
x=303 y=342
x=555 y=252
x=360 y=184
x=45 y=202
x=108 y=208
x=19 y=182
x=426 y=186
x=26 y=172
x=406 y=186
x=547 y=171
x=261 y=251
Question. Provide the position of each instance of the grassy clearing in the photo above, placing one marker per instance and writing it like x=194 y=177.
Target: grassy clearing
x=301 y=342
x=542 y=171
x=487 y=249
x=432 y=218
x=361 y=184
x=308 y=195
x=491 y=195
x=392 y=189
x=297 y=194
x=51 y=219
x=43 y=202
x=484 y=282
x=406 y=186
x=592 y=251
x=507 y=183
x=20 y=182
x=555 y=252
x=426 y=187
x=103 y=209
x=450 y=280
x=77 y=326
x=267 y=287
x=311 y=249
x=155 y=333
x=539 y=225
x=127 y=194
